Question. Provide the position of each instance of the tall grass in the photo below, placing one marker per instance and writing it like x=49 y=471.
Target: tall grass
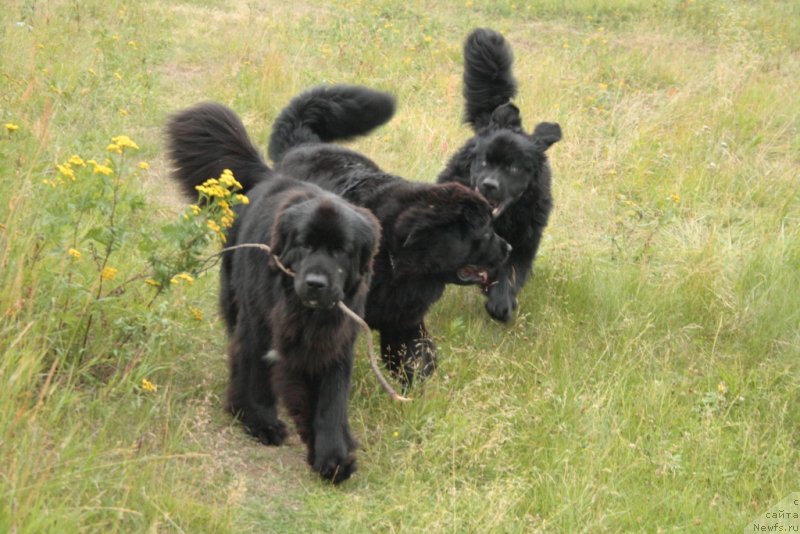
x=649 y=382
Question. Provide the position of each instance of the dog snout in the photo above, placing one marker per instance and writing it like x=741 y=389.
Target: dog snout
x=316 y=281
x=490 y=186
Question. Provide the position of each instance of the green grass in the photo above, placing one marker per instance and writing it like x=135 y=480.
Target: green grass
x=648 y=384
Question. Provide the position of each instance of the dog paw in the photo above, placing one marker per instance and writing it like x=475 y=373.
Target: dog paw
x=273 y=433
x=335 y=466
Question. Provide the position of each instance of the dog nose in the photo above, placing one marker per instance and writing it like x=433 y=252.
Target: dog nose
x=317 y=281
x=490 y=185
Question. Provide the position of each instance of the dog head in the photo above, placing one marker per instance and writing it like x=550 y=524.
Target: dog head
x=448 y=231
x=508 y=162
x=329 y=244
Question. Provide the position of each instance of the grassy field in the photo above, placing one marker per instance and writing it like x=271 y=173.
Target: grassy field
x=650 y=382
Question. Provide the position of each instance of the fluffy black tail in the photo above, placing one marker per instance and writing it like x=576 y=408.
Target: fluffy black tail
x=329 y=113
x=208 y=138
x=488 y=80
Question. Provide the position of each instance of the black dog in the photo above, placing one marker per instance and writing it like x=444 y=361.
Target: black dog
x=502 y=162
x=287 y=338
x=433 y=234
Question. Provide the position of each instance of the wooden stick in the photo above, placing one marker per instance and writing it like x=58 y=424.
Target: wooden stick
x=373 y=362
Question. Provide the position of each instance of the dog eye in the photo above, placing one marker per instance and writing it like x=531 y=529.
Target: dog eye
x=483 y=163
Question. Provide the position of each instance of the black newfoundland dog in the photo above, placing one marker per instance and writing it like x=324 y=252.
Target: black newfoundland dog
x=504 y=163
x=433 y=234
x=288 y=339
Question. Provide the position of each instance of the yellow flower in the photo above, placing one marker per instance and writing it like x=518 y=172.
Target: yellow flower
x=197 y=313
x=722 y=388
x=149 y=386
x=243 y=199
x=11 y=127
x=103 y=169
x=74 y=253
x=182 y=276
x=144 y=165
x=76 y=160
x=228 y=180
x=67 y=171
x=195 y=209
x=114 y=148
x=108 y=273
x=212 y=225
x=151 y=282
x=124 y=142
x=124 y=112
x=675 y=197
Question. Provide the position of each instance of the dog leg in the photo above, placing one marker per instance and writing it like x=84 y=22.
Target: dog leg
x=250 y=395
x=509 y=280
x=331 y=445
x=408 y=353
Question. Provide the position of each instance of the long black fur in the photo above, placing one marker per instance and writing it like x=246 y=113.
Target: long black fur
x=329 y=113
x=505 y=164
x=432 y=234
x=287 y=338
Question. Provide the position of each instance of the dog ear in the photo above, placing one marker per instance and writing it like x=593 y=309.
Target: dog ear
x=475 y=212
x=414 y=237
x=368 y=238
x=545 y=134
x=506 y=116
x=284 y=233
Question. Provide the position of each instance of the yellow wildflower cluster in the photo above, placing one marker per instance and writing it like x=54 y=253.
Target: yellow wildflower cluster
x=76 y=160
x=148 y=386
x=186 y=277
x=11 y=127
x=66 y=171
x=105 y=170
x=197 y=313
x=74 y=253
x=219 y=196
x=108 y=273
x=120 y=143
x=221 y=187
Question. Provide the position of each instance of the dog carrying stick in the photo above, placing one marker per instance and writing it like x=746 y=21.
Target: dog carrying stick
x=373 y=361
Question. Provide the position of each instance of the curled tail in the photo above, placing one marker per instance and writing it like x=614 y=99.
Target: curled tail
x=488 y=80
x=329 y=113
x=206 y=139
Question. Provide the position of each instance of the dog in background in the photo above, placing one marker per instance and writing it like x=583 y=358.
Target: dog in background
x=433 y=234
x=288 y=340
x=504 y=163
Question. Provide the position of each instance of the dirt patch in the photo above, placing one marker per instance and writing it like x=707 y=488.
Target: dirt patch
x=247 y=469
